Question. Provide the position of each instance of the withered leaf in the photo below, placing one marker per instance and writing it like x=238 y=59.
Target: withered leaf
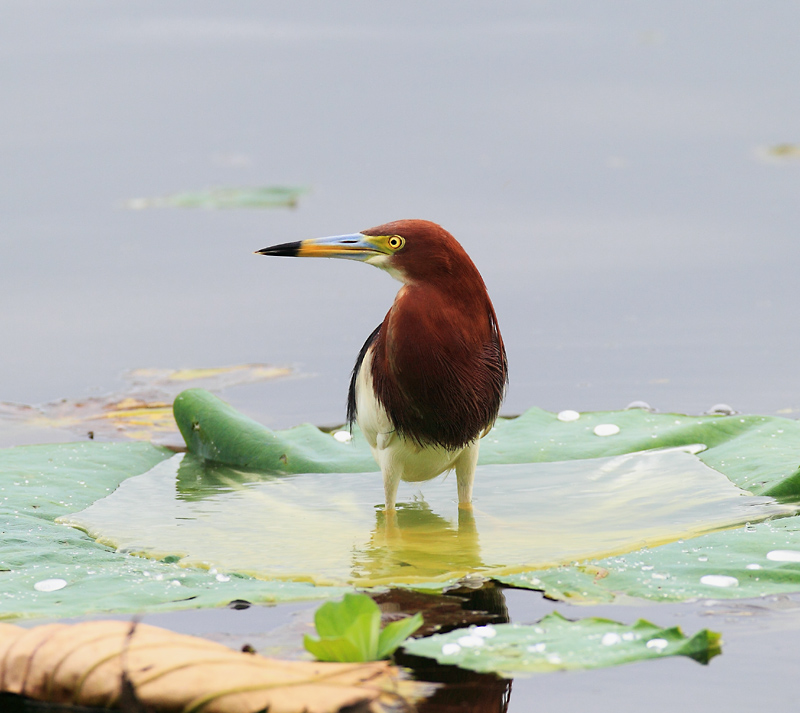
x=87 y=664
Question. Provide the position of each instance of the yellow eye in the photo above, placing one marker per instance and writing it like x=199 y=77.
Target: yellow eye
x=395 y=242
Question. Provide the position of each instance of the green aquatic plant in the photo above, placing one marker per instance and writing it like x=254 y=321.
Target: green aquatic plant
x=558 y=643
x=350 y=631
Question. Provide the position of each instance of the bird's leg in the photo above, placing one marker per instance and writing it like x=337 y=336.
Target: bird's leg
x=391 y=481
x=465 y=474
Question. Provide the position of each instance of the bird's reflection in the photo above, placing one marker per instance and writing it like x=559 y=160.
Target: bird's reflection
x=464 y=691
x=410 y=543
x=413 y=541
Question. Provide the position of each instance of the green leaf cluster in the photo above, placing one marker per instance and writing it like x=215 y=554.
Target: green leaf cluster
x=350 y=631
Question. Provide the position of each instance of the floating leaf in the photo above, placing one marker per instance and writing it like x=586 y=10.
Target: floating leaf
x=218 y=377
x=246 y=197
x=751 y=561
x=558 y=643
x=758 y=453
x=780 y=152
x=526 y=516
x=40 y=483
x=88 y=664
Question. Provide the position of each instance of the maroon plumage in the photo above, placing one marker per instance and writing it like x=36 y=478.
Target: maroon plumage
x=438 y=365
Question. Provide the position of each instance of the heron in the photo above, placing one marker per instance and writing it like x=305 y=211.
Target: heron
x=428 y=382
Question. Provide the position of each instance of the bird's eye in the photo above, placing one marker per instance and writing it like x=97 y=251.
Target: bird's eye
x=396 y=242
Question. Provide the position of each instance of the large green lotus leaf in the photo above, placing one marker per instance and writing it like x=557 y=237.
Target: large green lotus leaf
x=747 y=562
x=758 y=453
x=48 y=570
x=327 y=528
x=557 y=643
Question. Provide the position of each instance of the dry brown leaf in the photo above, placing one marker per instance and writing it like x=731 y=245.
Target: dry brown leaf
x=83 y=664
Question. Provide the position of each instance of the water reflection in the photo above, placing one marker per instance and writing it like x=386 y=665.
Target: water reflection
x=465 y=691
x=420 y=540
x=197 y=479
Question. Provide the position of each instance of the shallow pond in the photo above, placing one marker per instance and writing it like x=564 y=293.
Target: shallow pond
x=626 y=179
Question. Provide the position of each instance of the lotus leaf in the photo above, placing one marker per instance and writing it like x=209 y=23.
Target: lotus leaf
x=48 y=570
x=310 y=481
x=557 y=643
x=327 y=528
x=750 y=561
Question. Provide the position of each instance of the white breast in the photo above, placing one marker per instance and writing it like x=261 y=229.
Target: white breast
x=398 y=458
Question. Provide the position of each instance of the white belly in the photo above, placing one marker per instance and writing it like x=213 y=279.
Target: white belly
x=401 y=458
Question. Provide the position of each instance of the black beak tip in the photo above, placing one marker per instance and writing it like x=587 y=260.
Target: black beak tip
x=283 y=250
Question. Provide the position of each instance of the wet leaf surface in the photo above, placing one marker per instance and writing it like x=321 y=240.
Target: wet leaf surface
x=747 y=562
x=75 y=574
x=325 y=528
x=559 y=513
x=556 y=643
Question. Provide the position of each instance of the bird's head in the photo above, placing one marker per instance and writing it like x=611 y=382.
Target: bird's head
x=409 y=250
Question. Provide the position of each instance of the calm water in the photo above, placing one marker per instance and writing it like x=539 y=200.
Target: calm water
x=599 y=161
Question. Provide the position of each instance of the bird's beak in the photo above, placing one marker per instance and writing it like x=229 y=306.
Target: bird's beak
x=352 y=247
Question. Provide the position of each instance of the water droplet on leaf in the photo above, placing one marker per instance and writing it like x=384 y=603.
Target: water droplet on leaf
x=784 y=556
x=719 y=580
x=606 y=429
x=657 y=644
x=470 y=641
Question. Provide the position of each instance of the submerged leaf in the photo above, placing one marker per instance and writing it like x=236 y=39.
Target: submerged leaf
x=218 y=377
x=142 y=412
x=246 y=197
x=558 y=643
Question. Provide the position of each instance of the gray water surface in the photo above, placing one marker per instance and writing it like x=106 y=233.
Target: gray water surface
x=602 y=162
